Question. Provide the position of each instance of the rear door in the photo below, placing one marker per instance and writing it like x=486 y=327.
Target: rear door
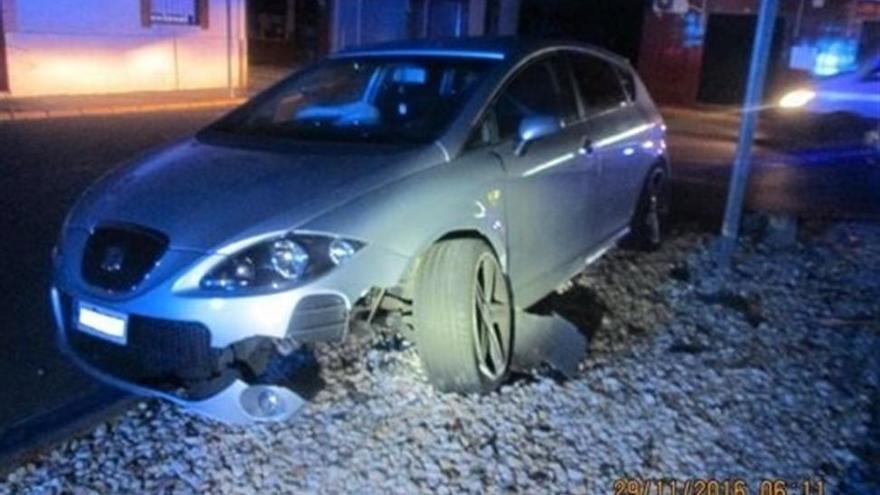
x=618 y=135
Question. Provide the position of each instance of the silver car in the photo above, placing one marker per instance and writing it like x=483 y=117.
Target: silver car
x=444 y=184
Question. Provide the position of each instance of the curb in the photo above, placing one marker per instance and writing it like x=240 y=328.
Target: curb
x=14 y=115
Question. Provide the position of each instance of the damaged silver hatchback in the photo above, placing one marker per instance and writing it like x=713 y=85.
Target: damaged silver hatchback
x=448 y=183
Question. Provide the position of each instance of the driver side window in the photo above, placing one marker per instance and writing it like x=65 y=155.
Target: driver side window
x=535 y=91
x=531 y=92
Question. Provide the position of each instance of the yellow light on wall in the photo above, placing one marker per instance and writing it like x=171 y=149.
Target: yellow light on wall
x=152 y=60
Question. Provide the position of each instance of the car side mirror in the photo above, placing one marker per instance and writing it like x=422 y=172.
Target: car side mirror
x=533 y=128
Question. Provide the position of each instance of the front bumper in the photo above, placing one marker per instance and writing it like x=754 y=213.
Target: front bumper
x=218 y=383
x=211 y=354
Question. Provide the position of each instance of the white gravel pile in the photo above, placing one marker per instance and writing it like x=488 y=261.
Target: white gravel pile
x=775 y=376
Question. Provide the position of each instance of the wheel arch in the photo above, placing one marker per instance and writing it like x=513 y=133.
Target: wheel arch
x=661 y=162
x=497 y=246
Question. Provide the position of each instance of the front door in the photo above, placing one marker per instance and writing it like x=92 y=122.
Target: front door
x=549 y=183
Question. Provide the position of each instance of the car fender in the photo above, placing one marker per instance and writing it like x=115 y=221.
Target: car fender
x=461 y=197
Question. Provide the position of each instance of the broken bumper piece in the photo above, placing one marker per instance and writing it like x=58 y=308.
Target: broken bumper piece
x=257 y=379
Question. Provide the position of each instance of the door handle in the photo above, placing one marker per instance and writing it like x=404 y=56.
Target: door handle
x=586 y=147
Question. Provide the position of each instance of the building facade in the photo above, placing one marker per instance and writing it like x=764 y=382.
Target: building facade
x=700 y=53
x=688 y=51
x=360 y=22
x=50 y=47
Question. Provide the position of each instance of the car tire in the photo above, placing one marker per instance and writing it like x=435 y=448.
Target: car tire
x=464 y=338
x=649 y=220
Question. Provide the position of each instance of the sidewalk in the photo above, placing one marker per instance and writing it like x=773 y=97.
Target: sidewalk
x=712 y=122
x=44 y=107
x=12 y=108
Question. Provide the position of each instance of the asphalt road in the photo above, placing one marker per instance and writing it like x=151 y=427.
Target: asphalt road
x=44 y=165
x=810 y=181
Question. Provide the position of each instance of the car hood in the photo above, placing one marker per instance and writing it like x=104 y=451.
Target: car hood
x=203 y=196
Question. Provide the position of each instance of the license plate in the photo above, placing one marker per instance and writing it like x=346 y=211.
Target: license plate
x=103 y=323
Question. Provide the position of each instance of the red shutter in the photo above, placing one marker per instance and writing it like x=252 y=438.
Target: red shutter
x=203 y=14
x=4 y=81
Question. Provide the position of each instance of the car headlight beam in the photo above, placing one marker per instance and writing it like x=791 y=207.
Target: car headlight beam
x=279 y=263
x=797 y=98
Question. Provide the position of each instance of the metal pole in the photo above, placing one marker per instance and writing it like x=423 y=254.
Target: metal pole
x=176 y=59
x=742 y=162
x=229 y=48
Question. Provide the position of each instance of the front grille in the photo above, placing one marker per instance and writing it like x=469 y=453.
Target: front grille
x=118 y=258
x=165 y=355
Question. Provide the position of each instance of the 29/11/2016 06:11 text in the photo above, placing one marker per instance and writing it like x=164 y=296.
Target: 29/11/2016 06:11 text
x=634 y=486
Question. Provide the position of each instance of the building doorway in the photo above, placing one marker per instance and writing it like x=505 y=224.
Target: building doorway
x=284 y=35
x=615 y=25
x=4 y=77
x=286 y=32
x=869 y=43
x=727 y=54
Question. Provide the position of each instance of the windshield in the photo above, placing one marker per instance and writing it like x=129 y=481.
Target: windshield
x=376 y=99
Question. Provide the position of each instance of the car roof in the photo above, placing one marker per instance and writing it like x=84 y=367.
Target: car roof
x=494 y=48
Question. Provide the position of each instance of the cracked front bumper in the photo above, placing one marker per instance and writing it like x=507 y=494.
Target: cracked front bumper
x=209 y=354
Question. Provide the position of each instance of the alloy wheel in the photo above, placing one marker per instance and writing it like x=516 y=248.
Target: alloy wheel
x=492 y=325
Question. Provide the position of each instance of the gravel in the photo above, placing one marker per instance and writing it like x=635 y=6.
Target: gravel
x=771 y=371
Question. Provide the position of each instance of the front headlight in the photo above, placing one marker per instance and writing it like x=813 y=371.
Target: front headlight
x=797 y=98
x=280 y=263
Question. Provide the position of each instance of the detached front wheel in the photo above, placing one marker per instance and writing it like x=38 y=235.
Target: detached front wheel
x=463 y=317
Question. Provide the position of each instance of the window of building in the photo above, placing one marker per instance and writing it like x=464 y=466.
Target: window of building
x=437 y=18
x=599 y=84
x=492 y=21
x=177 y=12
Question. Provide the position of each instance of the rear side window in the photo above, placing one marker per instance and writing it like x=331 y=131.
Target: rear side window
x=598 y=83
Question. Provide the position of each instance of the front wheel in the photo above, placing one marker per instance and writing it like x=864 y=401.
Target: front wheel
x=463 y=317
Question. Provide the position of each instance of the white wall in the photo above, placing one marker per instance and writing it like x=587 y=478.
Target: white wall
x=100 y=46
